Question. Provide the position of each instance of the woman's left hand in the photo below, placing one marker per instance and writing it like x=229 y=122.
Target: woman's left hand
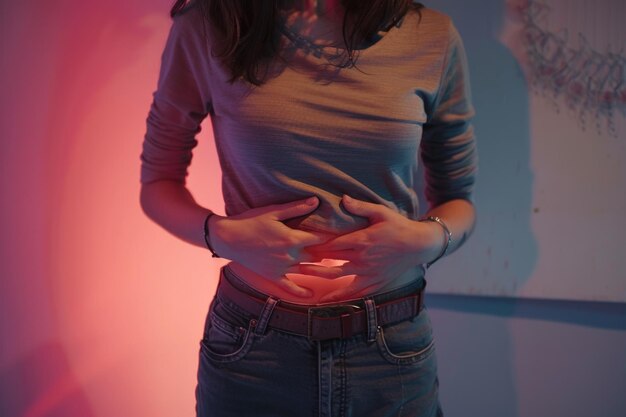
x=378 y=254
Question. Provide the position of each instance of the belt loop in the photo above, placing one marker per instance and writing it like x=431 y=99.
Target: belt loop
x=266 y=313
x=420 y=299
x=372 y=322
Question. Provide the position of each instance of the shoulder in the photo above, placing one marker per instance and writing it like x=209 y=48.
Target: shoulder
x=432 y=25
x=431 y=16
x=190 y=21
x=188 y=11
x=190 y=32
x=433 y=33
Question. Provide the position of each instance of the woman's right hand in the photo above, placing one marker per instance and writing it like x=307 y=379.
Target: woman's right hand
x=259 y=240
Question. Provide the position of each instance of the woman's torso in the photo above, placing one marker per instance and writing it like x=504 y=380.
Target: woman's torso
x=378 y=116
x=316 y=129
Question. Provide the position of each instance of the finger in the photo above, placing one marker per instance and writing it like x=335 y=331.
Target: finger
x=307 y=239
x=307 y=269
x=374 y=212
x=294 y=208
x=321 y=271
x=294 y=289
x=344 y=254
x=326 y=272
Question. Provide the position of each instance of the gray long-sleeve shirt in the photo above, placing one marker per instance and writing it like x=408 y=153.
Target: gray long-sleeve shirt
x=313 y=129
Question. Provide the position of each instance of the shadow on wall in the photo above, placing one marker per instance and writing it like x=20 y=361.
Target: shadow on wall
x=599 y=315
x=522 y=357
x=41 y=384
x=502 y=253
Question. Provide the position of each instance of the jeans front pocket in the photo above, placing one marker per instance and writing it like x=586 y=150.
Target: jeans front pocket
x=408 y=342
x=227 y=337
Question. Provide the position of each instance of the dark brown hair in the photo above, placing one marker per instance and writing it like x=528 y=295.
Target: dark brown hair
x=249 y=35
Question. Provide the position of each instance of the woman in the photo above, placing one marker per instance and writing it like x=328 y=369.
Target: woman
x=319 y=111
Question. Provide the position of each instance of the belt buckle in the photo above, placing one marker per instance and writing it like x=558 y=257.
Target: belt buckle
x=341 y=311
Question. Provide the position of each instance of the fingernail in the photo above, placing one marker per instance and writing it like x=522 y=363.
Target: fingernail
x=311 y=201
x=347 y=198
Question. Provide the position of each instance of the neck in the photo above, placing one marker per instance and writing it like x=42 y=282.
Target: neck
x=321 y=20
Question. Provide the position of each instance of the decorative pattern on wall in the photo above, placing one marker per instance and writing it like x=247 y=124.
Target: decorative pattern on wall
x=565 y=64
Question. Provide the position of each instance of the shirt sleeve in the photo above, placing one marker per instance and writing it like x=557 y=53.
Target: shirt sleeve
x=448 y=147
x=179 y=104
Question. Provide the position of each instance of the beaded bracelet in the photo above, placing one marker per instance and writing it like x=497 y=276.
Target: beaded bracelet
x=448 y=236
x=207 y=236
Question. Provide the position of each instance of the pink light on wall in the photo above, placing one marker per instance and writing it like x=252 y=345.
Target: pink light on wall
x=101 y=311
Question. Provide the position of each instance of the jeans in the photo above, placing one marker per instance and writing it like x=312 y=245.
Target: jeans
x=249 y=369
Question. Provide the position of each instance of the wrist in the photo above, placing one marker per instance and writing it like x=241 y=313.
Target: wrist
x=441 y=235
x=209 y=234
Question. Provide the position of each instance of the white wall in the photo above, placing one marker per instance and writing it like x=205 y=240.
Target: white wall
x=504 y=357
x=552 y=153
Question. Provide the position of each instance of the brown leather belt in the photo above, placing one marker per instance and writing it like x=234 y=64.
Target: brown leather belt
x=323 y=322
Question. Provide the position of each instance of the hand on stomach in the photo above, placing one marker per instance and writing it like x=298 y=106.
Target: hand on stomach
x=294 y=264
x=320 y=289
